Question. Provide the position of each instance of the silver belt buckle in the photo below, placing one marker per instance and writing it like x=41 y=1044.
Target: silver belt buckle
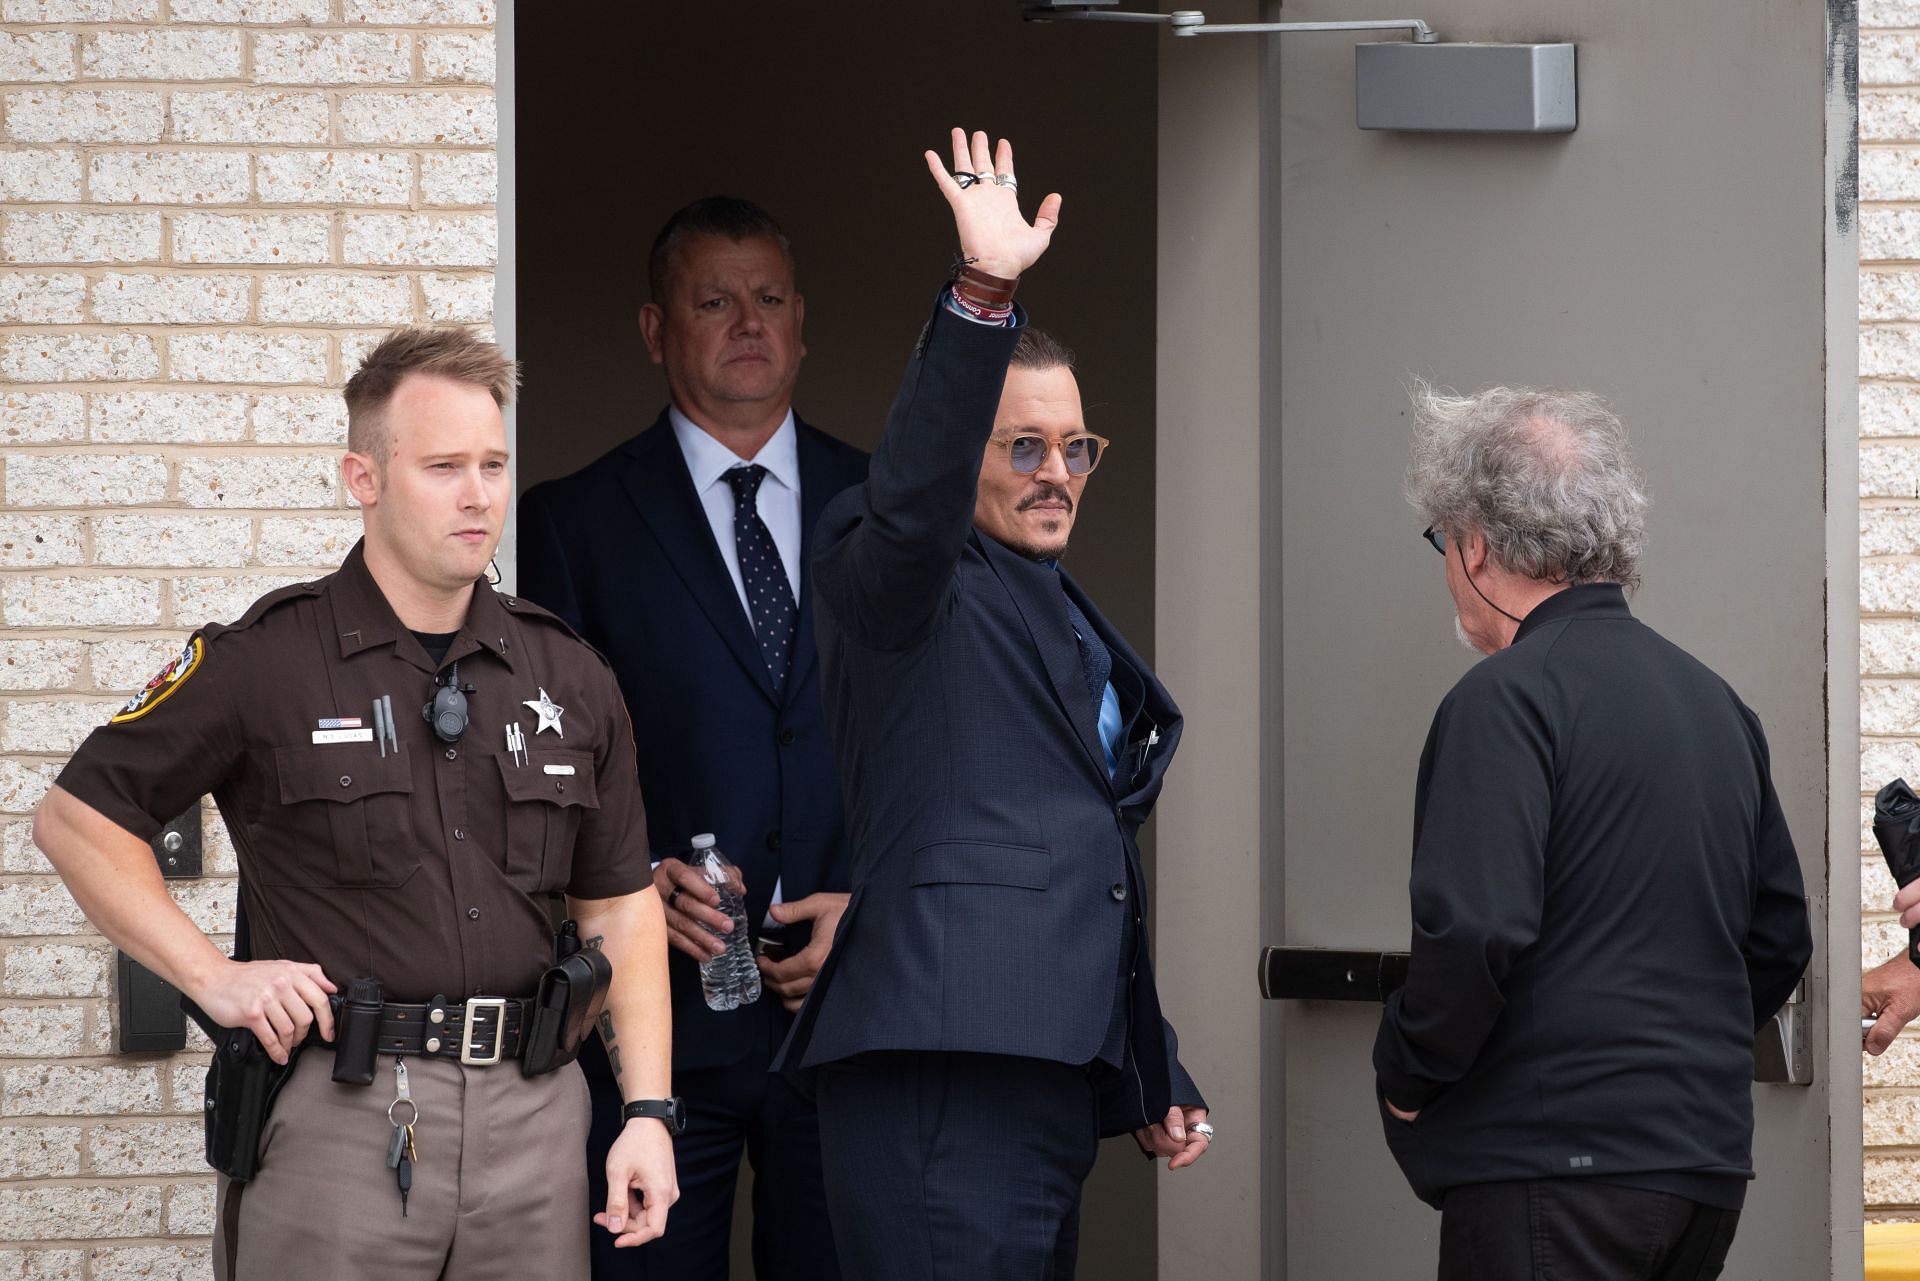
x=498 y=1004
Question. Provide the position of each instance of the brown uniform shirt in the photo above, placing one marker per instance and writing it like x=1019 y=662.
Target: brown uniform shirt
x=433 y=867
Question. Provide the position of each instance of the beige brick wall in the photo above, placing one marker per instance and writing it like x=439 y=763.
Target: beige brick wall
x=208 y=210
x=1889 y=542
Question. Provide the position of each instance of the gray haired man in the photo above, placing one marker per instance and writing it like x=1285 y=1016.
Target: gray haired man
x=1606 y=901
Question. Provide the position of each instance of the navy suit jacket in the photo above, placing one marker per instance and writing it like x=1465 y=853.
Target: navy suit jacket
x=623 y=552
x=996 y=880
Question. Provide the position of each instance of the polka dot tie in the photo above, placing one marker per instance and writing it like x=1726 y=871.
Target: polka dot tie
x=769 y=594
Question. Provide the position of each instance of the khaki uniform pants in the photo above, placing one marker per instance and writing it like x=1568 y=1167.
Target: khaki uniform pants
x=500 y=1189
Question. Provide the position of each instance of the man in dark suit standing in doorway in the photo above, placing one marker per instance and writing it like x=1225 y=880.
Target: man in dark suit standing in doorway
x=988 y=1011
x=648 y=553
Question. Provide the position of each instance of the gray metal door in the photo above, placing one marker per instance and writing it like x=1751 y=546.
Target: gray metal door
x=1688 y=252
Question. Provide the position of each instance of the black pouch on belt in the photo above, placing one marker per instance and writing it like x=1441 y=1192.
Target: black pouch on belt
x=571 y=995
x=356 y=1040
x=242 y=1084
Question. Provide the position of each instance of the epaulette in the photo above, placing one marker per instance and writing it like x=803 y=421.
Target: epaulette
x=265 y=605
x=521 y=607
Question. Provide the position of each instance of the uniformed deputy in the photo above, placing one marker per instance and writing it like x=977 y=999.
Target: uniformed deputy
x=430 y=856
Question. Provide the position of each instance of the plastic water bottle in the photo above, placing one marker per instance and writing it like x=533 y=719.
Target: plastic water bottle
x=731 y=979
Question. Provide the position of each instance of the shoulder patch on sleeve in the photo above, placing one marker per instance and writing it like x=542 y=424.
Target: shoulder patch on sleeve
x=165 y=681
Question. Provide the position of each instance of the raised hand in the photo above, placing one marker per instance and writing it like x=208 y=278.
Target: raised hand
x=986 y=213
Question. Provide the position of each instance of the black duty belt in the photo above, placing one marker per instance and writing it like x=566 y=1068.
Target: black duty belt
x=479 y=1032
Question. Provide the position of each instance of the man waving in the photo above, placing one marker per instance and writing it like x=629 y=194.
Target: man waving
x=988 y=1011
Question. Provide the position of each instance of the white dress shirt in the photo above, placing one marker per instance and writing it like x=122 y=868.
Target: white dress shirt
x=778 y=502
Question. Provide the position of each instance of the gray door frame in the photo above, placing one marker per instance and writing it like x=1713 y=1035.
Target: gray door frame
x=1216 y=599
x=1841 y=941
x=1217 y=899
x=506 y=309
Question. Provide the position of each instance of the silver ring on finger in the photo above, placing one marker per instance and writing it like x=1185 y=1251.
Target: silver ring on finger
x=964 y=180
x=1203 y=1129
x=1006 y=180
x=678 y=890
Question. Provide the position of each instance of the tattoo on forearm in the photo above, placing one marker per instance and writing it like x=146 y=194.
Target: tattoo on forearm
x=607 y=1039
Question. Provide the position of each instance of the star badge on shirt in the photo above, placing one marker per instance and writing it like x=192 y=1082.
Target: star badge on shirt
x=549 y=713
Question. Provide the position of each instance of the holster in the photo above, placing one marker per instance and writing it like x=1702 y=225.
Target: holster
x=242 y=1084
x=570 y=997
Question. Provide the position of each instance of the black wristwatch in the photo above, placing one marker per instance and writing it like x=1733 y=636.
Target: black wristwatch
x=671 y=1112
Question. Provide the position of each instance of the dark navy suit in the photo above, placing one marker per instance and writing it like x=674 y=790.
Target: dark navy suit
x=994 y=951
x=623 y=551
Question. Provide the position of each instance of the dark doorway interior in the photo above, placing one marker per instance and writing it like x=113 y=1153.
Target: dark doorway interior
x=820 y=112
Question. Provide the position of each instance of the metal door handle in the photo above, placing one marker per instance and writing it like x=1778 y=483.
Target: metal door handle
x=1783 y=1050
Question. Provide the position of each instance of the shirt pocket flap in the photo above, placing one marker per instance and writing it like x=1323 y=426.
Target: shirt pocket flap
x=553 y=775
x=323 y=772
x=974 y=863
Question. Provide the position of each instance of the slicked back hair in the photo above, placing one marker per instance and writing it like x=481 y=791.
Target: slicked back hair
x=446 y=351
x=728 y=217
x=1038 y=349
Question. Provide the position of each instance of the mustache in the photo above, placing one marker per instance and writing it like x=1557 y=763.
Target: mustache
x=1047 y=493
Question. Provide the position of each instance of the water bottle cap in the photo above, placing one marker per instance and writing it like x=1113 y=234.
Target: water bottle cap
x=704 y=841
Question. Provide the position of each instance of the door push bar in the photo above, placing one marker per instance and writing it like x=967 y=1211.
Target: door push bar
x=1330 y=974
x=1782 y=1052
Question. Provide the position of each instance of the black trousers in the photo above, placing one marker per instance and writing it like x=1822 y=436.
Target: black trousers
x=1579 y=1230
x=956 y=1167
x=728 y=1109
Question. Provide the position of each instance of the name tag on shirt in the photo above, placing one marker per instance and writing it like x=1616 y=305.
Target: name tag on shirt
x=343 y=736
x=558 y=769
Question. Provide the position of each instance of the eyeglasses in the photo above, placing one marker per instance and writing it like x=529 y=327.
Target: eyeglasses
x=1437 y=537
x=1027 y=454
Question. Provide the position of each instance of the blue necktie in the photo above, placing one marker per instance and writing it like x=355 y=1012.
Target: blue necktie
x=769 y=594
x=1095 y=659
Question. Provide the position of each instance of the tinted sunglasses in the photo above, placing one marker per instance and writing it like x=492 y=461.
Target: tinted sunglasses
x=1027 y=454
x=1437 y=537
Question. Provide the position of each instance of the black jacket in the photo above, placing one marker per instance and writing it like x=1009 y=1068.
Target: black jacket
x=1606 y=905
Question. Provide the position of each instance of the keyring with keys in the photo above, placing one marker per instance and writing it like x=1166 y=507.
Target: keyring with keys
x=401 y=1153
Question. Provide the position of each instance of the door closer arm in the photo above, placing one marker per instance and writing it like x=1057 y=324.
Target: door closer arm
x=1192 y=22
